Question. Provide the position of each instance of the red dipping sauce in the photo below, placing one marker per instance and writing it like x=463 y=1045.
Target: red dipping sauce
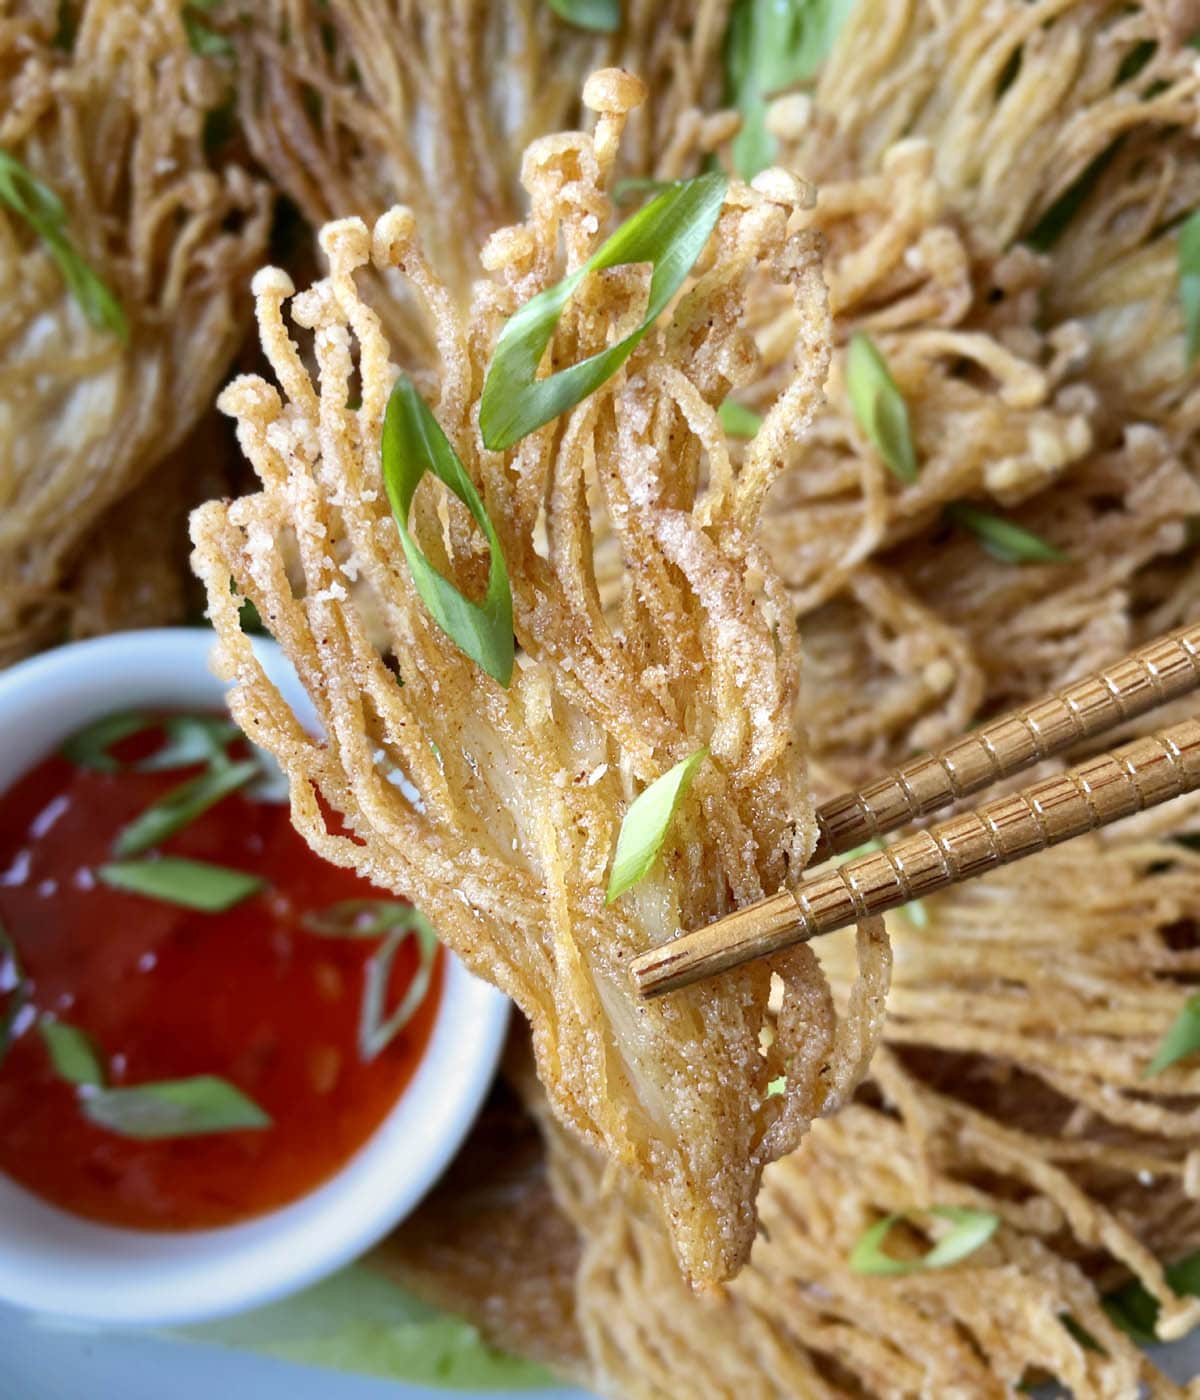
x=249 y=995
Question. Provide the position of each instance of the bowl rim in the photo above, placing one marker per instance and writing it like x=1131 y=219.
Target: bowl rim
x=58 y=1263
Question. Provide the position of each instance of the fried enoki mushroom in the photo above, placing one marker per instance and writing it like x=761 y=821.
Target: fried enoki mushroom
x=114 y=129
x=1000 y=186
x=355 y=105
x=801 y=1322
x=496 y=810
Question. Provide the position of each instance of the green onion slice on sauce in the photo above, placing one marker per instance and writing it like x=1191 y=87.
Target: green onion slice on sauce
x=879 y=406
x=669 y=233
x=90 y=746
x=189 y=740
x=192 y=884
x=73 y=1053
x=394 y=922
x=1181 y=1040
x=181 y=806
x=646 y=823
x=738 y=420
x=173 y=1108
x=14 y=989
x=1189 y=284
x=600 y=16
x=413 y=443
x=971 y=1229
x=1003 y=539
x=165 y=1108
x=44 y=212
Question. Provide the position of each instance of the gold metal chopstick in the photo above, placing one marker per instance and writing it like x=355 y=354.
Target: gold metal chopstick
x=1102 y=790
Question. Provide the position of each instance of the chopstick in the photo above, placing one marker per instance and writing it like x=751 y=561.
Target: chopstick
x=1102 y=790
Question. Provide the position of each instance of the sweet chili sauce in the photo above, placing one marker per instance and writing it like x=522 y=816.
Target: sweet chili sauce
x=249 y=995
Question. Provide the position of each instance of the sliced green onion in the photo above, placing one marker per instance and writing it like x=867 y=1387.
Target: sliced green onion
x=777 y=1086
x=394 y=922
x=646 y=822
x=738 y=420
x=1004 y=540
x=1135 y=1311
x=359 y=918
x=1181 y=1040
x=73 y=1053
x=670 y=233
x=181 y=806
x=191 y=740
x=377 y=1029
x=202 y=40
x=173 y=1108
x=627 y=190
x=89 y=747
x=972 y=1228
x=14 y=986
x=771 y=45
x=413 y=443
x=879 y=406
x=192 y=884
x=1189 y=284
x=600 y=16
x=43 y=211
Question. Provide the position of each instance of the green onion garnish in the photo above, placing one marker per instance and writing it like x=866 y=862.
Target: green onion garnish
x=879 y=406
x=89 y=747
x=14 y=986
x=1189 y=284
x=770 y=45
x=670 y=233
x=43 y=211
x=166 y=1108
x=192 y=884
x=181 y=806
x=190 y=739
x=627 y=190
x=600 y=16
x=972 y=1228
x=394 y=922
x=738 y=420
x=202 y=40
x=1181 y=1040
x=646 y=822
x=173 y=1108
x=1133 y=1310
x=1004 y=540
x=413 y=443
x=73 y=1053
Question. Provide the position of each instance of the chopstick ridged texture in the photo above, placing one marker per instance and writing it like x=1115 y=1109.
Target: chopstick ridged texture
x=1103 y=790
x=1162 y=671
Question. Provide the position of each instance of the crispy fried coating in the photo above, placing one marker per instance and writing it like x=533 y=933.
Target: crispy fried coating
x=115 y=128
x=497 y=810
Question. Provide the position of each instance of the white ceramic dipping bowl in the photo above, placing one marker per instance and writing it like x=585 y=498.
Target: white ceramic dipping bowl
x=54 y=1262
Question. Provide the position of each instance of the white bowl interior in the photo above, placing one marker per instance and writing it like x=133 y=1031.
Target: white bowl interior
x=55 y=1262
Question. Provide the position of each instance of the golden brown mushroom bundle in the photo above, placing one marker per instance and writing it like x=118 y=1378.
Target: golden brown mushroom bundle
x=354 y=105
x=115 y=129
x=1000 y=186
x=496 y=810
